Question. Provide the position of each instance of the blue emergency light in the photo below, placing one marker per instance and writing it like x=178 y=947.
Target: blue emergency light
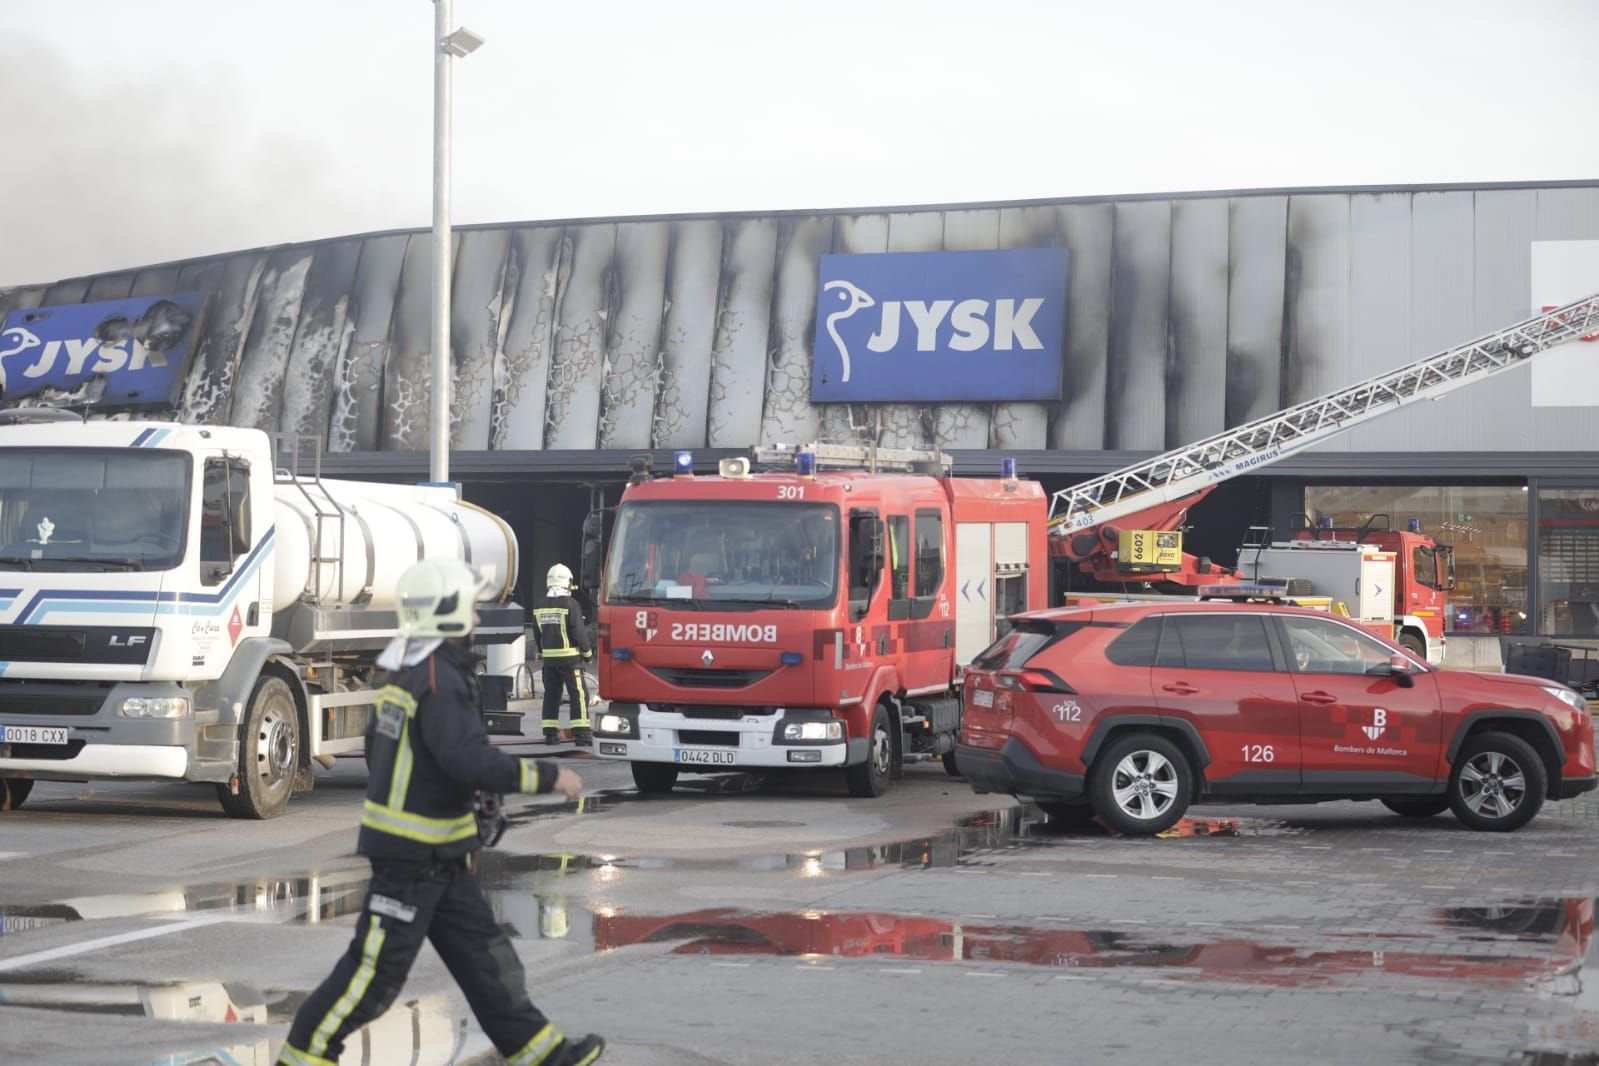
x=683 y=464
x=805 y=464
x=1414 y=525
x=792 y=658
x=1007 y=469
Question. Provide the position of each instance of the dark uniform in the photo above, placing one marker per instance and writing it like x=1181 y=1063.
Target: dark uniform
x=427 y=752
x=563 y=643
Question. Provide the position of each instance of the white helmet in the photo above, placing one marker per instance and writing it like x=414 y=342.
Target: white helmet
x=559 y=577
x=438 y=598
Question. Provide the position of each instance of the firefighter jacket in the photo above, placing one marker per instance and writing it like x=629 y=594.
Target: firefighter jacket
x=559 y=631
x=427 y=752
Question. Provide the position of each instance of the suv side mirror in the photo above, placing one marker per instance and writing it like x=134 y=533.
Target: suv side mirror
x=1400 y=668
x=593 y=554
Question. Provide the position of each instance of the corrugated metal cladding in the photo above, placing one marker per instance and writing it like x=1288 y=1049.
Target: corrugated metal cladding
x=1186 y=315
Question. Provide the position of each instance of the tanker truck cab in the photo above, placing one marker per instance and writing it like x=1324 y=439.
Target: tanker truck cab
x=172 y=609
x=800 y=618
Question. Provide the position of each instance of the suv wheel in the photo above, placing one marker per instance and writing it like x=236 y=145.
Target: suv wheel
x=1498 y=782
x=1140 y=784
x=1418 y=808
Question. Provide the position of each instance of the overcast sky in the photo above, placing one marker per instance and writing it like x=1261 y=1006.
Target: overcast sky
x=152 y=130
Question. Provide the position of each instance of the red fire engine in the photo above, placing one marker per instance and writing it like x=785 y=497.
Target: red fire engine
x=801 y=617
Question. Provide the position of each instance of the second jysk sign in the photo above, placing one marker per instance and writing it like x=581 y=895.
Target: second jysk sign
x=940 y=326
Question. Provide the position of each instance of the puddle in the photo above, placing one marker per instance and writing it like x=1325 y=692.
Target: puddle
x=421 y=1031
x=972 y=841
x=1241 y=957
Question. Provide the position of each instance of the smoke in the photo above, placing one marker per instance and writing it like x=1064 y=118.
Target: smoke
x=102 y=176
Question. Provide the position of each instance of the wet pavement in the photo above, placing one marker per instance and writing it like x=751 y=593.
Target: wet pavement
x=1319 y=934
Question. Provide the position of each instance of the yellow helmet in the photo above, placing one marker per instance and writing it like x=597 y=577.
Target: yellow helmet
x=438 y=598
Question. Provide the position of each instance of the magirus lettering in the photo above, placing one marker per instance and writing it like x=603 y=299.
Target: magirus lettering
x=724 y=632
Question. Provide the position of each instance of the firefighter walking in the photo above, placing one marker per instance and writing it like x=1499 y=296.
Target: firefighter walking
x=428 y=756
x=564 y=648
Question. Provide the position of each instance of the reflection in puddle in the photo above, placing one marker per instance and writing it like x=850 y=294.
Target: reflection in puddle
x=421 y=1031
x=1567 y=929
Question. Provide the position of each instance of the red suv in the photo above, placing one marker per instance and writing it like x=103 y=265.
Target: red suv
x=1135 y=711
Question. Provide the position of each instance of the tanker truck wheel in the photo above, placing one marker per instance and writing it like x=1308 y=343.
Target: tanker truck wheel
x=13 y=791
x=269 y=752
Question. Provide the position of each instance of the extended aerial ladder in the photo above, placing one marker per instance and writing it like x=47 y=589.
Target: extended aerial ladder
x=1087 y=521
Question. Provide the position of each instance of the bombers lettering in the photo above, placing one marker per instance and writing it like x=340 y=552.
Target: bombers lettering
x=720 y=632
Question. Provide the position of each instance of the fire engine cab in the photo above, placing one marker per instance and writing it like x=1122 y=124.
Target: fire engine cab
x=805 y=609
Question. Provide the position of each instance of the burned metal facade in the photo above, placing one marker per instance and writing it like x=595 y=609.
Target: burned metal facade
x=1186 y=315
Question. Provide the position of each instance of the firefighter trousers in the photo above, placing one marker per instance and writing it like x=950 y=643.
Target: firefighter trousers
x=405 y=904
x=566 y=677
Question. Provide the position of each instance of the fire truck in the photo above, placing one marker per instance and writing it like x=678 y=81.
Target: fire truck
x=796 y=616
x=809 y=607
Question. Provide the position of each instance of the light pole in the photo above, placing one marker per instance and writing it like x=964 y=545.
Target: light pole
x=447 y=44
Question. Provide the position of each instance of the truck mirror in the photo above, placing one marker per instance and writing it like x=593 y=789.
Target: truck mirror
x=593 y=553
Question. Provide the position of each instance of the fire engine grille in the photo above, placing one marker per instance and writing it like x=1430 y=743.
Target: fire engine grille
x=725 y=714
x=689 y=677
x=707 y=737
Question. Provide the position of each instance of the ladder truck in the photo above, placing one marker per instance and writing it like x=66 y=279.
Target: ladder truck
x=1126 y=525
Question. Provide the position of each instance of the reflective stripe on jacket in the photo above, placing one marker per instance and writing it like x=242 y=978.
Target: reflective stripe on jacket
x=558 y=629
x=426 y=754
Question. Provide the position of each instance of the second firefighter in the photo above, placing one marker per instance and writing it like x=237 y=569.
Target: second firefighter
x=564 y=648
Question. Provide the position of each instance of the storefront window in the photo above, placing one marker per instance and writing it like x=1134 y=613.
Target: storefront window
x=1485 y=524
x=1568 y=561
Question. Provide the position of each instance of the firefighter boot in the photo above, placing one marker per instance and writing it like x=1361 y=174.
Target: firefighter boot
x=583 y=738
x=578 y=1052
x=552 y=737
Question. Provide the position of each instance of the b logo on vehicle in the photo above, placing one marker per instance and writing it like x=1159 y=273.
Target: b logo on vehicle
x=1379 y=724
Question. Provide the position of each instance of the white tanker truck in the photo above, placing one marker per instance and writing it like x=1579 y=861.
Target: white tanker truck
x=173 y=608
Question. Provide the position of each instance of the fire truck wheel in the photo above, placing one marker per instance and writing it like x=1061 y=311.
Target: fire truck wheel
x=654 y=777
x=269 y=752
x=1498 y=782
x=13 y=791
x=1140 y=784
x=949 y=764
x=1414 y=645
x=1418 y=808
x=870 y=778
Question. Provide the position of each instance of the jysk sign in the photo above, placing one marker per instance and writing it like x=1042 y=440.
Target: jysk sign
x=933 y=326
x=113 y=353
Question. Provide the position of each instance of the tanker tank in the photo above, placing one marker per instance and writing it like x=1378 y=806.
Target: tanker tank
x=385 y=528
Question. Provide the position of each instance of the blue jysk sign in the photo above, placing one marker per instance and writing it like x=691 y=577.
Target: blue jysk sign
x=113 y=353
x=935 y=326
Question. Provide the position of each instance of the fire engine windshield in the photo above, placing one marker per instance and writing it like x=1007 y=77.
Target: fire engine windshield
x=724 y=554
x=92 y=509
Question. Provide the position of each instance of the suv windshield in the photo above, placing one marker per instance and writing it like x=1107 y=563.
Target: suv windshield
x=92 y=509
x=715 y=552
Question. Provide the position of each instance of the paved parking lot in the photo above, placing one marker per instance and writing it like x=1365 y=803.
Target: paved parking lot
x=792 y=924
